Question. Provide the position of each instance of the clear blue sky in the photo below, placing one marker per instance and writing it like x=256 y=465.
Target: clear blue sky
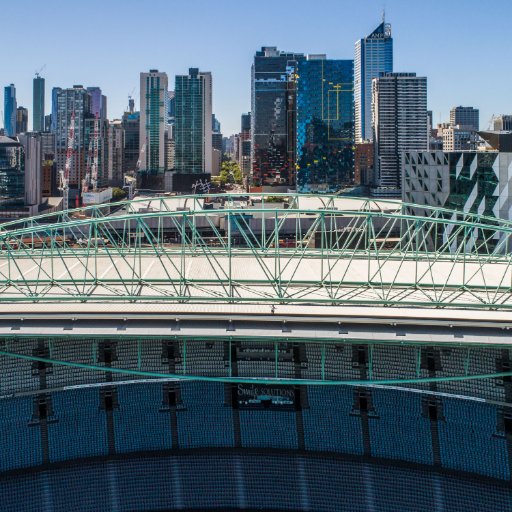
x=460 y=45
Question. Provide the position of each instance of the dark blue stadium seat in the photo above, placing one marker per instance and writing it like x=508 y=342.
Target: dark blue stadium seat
x=80 y=430
x=205 y=420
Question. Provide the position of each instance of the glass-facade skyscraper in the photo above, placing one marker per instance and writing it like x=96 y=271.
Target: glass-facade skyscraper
x=21 y=120
x=273 y=117
x=373 y=56
x=153 y=114
x=10 y=108
x=38 y=105
x=12 y=172
x=193 y=126
x=325 y=124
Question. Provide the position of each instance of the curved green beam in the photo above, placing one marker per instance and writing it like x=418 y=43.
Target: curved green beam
x=473 y=219
x=256 y=380
x=233 y=196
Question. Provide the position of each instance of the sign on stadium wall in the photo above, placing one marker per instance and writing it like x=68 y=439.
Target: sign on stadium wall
x=262 y=396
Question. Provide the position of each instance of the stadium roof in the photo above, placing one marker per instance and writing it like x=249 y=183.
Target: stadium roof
x=348 y=252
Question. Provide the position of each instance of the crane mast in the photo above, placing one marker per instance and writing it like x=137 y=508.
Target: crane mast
x=64 y=175
x=91 y=175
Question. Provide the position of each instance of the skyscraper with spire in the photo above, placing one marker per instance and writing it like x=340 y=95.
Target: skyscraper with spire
x=373 y=56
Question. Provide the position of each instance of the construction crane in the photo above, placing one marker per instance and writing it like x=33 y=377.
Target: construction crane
x=91 y=175
x=40 y=70
x=491 y=122
x=130 y=97
x=95 y=159
x=64 y=175
x=129 y=183
x=141 y=156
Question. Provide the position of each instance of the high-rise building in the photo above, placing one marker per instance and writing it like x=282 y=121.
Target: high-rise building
x=131 y=134
x=115 y=152
x=53 y=119
x=193 y=129
x=467 y=117
x=373 y=56
x=273 y=117
x=33 y=149
x=98 y=102
x=12 y=173
x=21 y=120
x=49 y=177
x=96 y=147
x=215 y=124
x=399 y=124
x=325 y=124
x=10 y=107
x=153 y=115
x=171 y=108
x=503 y=123
x=77 y=101
x=243 y=151
x=38 y=124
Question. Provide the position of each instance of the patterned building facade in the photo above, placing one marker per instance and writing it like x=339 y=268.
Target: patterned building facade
x=325 y=124
x=273 y=120
x=477 y=182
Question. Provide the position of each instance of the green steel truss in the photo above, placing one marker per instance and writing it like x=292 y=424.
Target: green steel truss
x=304 y=249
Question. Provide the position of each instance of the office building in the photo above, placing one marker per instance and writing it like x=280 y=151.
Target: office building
x=273 y=108
x=38 y=124
x=503 y=123
x=373 y=56
x=364 y=156
x=325 y=124
x=53 y=117
x=244 y=145
x=73 y=101
x=467 y=117
x=115 y=153
x=215 y=124
x=399 y=124
x=131 y=134
x=98 y=102
x=10 y=107
x=49 y=177
x=153 y=115
x=12 y=173
x=459 y=138
x=33 y=151
x=21 y=120
x=193 y=127
x=476 y=182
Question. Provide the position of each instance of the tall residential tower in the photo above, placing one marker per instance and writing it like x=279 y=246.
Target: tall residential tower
x=193 y=124
x=400 y=123
x=38 y=105
x=153 y=113
x=10 y=107
x=373 y=56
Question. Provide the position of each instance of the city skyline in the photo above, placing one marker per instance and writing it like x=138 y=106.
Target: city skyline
x=236 y=32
